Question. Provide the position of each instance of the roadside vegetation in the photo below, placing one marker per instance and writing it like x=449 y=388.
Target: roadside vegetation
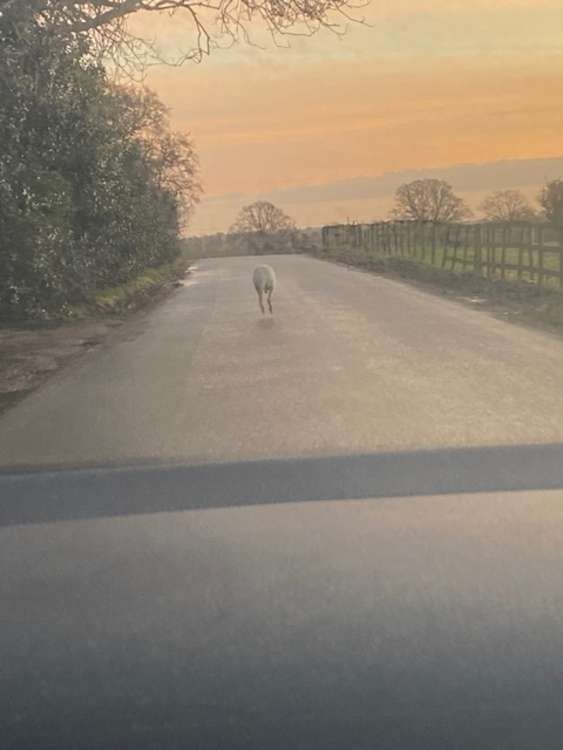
x=94 y=185
x=149 y=285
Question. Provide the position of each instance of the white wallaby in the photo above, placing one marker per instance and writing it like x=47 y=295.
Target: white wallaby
x=264 y=282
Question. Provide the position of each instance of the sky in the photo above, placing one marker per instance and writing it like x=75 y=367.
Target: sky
x=329 y=126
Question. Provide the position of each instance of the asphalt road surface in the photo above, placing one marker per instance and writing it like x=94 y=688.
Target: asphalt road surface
x=349 y=363
x=338 y=528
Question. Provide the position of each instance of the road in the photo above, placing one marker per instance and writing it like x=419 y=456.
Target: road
x=311 y=538
x=350 y=363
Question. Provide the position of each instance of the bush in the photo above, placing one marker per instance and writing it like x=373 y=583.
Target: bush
x=93 y=185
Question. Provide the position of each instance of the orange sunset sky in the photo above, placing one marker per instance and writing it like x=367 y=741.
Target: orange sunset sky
x=329 y=127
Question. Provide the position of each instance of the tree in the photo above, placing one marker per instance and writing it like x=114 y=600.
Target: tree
x=262 y=217
x=428 y=200
x=107 y=22
x=93 y=183
x=507 y=206
x=551 y=201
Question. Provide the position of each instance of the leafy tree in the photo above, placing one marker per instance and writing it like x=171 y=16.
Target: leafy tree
x=93 y=184
x=428 y=200
x=551 y=201
x=262 y=217
x=507 y=206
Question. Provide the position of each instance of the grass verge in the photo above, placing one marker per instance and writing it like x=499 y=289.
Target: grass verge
x=139 y=291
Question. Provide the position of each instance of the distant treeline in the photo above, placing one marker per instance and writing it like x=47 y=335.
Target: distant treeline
x=251 y=243
x=93 y=184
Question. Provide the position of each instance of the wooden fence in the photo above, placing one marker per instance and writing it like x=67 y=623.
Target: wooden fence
x=523 y=251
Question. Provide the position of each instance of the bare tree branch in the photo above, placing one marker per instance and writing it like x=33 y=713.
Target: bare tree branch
x=429 y=200
x=507 y=206
x=262 y=217
x=211 y=22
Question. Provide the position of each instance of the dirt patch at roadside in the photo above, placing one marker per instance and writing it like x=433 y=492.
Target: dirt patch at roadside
x=33 y=351
x=30 y=354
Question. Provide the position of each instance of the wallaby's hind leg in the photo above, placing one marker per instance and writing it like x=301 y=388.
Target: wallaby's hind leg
x=260 y=302
x=270 y=300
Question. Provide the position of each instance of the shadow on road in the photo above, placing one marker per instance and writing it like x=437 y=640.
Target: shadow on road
x=265 y=324
x=96 y=492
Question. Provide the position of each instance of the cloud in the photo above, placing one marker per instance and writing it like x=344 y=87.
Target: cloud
x=262 y=130
x=370 y=197
x=513 y=173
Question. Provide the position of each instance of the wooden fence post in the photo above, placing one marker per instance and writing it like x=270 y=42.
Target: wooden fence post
x=503 y=253
x=540 y=257
x=539 y=238
x=490 y=245
x=433 y=246
x=477 y=250
x=446 y=242
x=324 y=238
x=457 y=245
x=493 y=251
x=465 y=248
x=521 y=254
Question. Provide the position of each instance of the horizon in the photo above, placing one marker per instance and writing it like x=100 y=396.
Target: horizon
x=377 y=192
